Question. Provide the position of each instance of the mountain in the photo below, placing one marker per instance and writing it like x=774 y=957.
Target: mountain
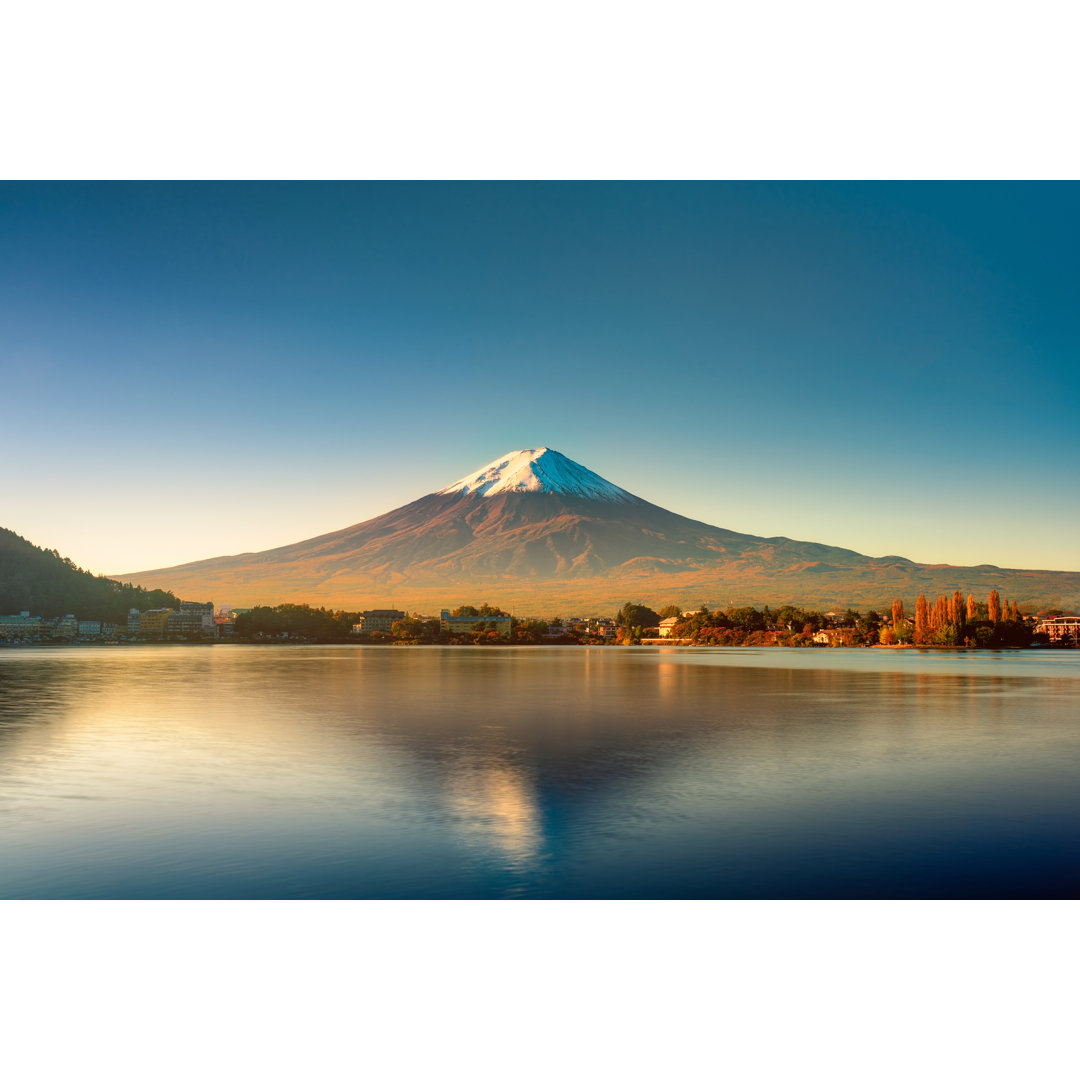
x=540 y=532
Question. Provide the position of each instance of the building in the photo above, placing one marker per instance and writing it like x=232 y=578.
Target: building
x=193 y=619
x=1061 y=628
x=23 y=626
x=467 y=624
x=667 y=626
x=190 y=623
x=133 y=622
x=591 y=626
x=89 y=628
x=67 y=626
x=381 y=619
x=154 y=623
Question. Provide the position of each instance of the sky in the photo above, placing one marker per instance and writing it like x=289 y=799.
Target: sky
x=198 y=369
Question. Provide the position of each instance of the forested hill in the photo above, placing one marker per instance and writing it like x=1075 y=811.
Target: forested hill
x=45 y=583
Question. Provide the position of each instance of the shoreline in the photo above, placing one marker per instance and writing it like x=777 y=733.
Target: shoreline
x=655 y=643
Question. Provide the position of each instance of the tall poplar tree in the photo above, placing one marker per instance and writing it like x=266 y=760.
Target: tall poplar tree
x=937 y=614
x=956 y=609
x=994 y=606
x=971 y=608
x=920 y=619
x=897 y=614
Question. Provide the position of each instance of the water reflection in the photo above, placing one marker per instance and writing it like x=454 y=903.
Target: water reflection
x=493 y=805
x=470 y=772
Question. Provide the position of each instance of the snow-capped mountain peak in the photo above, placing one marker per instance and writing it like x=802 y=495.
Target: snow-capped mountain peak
x=542 y=471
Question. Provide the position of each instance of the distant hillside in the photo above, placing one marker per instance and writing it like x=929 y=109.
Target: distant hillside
x=45 y=583
x=539 y=533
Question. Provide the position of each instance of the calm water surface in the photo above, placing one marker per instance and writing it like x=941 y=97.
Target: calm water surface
x=338 y=772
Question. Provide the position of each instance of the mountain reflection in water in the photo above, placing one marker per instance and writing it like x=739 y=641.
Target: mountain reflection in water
x=236 y=771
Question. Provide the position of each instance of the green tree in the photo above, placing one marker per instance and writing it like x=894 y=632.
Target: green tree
x=410 y=629
x=747 y=619
x=638 y=615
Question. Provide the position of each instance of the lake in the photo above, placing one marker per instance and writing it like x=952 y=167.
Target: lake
x=243 y=772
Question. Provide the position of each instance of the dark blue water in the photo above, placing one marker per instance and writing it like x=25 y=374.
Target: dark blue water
x=351 y=772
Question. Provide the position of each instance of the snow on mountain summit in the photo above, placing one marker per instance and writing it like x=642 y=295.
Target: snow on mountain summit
x=542 y=471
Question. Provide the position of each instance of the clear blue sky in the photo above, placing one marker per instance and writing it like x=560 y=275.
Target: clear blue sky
x=193 y=370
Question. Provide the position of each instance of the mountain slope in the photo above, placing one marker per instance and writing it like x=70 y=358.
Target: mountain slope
x=534 y=527
x=45 y=583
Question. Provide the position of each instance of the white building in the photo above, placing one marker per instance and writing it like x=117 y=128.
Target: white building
x=1061 y=628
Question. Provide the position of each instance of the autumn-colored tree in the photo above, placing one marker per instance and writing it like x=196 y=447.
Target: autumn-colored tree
x=956 y=609
x=994 y=606
x=1015 y=613
x=897 y=613
x=921 y=621
x=936 y=615
x=971 y=608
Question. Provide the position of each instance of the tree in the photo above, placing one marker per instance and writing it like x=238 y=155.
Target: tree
x=956 y=609
x=530 y=630
x=747 y=619
x=670 y=612
x=921 y=620
x=897 y=613
x=632 y=615
x=971 y=608
x=994 y=606
x=868 y=627
x=414 y=629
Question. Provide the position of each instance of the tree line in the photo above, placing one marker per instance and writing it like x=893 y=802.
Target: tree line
x=952 y=620
x=948 y=621
x=299 y=622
